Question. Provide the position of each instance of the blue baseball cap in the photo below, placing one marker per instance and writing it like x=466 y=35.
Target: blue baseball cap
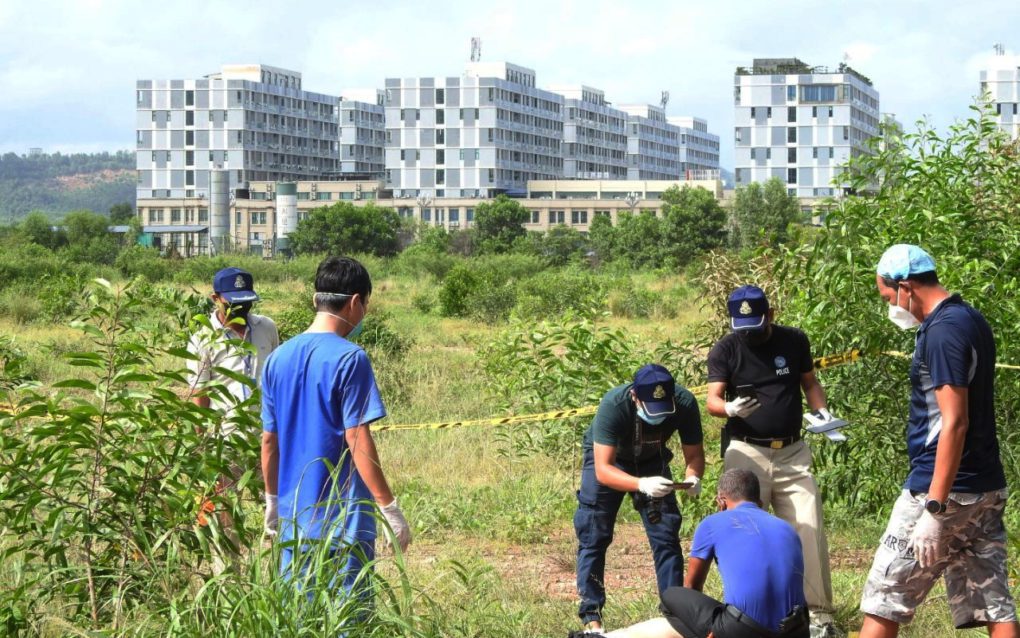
x=654 y=387
x=903 y=260
x=234 y=285
x=748 y=308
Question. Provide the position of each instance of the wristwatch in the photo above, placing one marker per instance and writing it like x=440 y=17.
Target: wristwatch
x=935 y=507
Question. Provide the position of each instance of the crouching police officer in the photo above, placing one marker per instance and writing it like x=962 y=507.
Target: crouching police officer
x=625 y=451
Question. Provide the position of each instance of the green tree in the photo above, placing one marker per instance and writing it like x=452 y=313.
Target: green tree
x=638 y=240
x=561 y=244
x=433 y=239
x=693 y=223
x=762 y=215
x=602 y=236
x=499 y=223
x=89 y=238
x=344 y=228
x=121 y=213
x=39 y=230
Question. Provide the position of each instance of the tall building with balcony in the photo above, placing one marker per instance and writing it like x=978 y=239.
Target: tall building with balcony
x=253 y=120
x=486 y=132
x=594 y=135
x=1000 y=83
x=362 y=134
x=699 y=149
x=801 y=123
x=653 y=144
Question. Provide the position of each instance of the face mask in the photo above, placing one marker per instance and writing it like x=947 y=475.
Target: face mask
x=902 y=317
x=650 y=420
x=357 y=327
x=754 y=337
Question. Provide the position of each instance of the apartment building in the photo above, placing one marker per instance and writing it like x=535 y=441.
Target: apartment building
x=699 y=149
x=801 y=123
x=363 y=133
x=594 y=135
x=254 y=120
x=1000 y=83
x=485 y=132
x=653 y=144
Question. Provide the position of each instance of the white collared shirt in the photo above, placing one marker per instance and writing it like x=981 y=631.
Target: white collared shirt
x=214 y=349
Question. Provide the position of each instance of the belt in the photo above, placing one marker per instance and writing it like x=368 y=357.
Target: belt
x=796 y=623
x=744 y=619
x=775 y=444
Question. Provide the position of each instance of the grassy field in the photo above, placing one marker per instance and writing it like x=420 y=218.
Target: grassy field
x=494 y=544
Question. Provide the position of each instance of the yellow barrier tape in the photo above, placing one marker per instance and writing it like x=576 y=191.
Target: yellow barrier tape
x=821 y=363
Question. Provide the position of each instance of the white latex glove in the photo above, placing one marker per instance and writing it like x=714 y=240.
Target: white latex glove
x=927 y=540
x=826 y=415
x=401 y=530
x=694 y=490
x=655 y=486
x=271 y=522
x=742 y=407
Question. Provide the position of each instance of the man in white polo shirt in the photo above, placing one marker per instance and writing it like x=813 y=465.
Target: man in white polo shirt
x=236 y=340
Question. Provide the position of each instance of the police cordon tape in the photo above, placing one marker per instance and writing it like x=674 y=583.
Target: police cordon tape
x=821 y=363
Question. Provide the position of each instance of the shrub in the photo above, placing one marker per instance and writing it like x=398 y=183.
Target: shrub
x=139 y=260
x=553 y=292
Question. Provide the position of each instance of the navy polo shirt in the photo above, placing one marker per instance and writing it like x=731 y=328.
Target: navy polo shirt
x=760 y=561
x=954 y=346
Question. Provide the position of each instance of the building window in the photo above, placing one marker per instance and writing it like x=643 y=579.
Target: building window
x=791 y=134
x=440 y=136
x=440 y=96
x=189 y=178
x=417 y=115
x=440 y=116
x=189 y=158
x=534 y=217
x=454 y=215
x=830 y=111
x=556 y=217
x=461 y=115
x=323 y=196
x=239 y=137
x=470 y=215
x=155 y=215
x=426 y=214
x=154 y=156
x=831 y=152
x=768 y=153
x=791 y=93
x=440 y=176
x=846 y=132
x=768 y=112
x=141 y=97
x=237 y=218
x=791 y=113
x=403 y=114
x=753 y=112
x=189 y=138
x=578 y=217
x=814 y=111
x=791 y=155
x=403 y=154
x=489 y=130
x=175 y=215
x=476 y=115
x=791 y=176
x=814 y=152
x=154 y=116
x=492 y=175
x=440 y=156
x=203 y=215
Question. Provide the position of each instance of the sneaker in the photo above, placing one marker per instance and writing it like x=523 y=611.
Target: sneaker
x=826 y=630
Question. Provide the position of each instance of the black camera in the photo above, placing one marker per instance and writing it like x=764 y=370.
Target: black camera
x=653 y=505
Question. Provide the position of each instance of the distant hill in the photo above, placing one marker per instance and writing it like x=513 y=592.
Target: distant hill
x=57 y=184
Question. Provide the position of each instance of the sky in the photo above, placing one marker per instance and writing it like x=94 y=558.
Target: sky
x=68 y=69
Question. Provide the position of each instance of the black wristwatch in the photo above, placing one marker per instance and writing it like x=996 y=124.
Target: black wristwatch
x=935 y=507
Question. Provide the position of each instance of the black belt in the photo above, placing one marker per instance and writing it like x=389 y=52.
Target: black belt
x=744 y=619
x=775 y=444
x=796 y=623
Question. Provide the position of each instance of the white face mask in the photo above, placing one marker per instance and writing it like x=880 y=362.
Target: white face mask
x=902 y=317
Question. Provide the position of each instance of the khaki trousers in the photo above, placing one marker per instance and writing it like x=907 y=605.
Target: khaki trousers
x=789 y=489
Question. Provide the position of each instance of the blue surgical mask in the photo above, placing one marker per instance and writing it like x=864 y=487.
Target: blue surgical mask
x=356 y=330
x=650 y=420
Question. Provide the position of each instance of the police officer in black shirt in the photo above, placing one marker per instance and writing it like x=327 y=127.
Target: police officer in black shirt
x=755 y=378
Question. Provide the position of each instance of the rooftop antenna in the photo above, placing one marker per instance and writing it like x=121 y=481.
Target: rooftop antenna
x=999 y=49
x=476 y=49
x=664 y=99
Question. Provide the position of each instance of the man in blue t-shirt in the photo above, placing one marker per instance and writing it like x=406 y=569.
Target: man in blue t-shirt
x=762 y=569
x=948 y=519
x=322 y=472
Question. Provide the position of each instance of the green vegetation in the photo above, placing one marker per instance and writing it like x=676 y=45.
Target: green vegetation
x=59 y=184
x=104 y=463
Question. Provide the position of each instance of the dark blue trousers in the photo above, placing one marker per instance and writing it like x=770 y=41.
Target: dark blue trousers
x=597 y=507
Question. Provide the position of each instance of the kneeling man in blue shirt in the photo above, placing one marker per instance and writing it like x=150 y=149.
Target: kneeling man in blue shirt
x=762 y=568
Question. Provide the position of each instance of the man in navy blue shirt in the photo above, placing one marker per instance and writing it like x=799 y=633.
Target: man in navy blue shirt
x=948 y=519
x=321 y=468
x=762 y=569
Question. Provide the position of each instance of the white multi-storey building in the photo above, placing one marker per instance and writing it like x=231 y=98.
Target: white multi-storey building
x=653 y=144
x=1000 y=83
x=362 y=133
x=253 y=120
x=801 y=124
x=594 y=135
x=486 y=132
x=699 y=149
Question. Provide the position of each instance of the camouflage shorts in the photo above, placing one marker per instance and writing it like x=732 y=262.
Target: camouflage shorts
x=974 y=563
